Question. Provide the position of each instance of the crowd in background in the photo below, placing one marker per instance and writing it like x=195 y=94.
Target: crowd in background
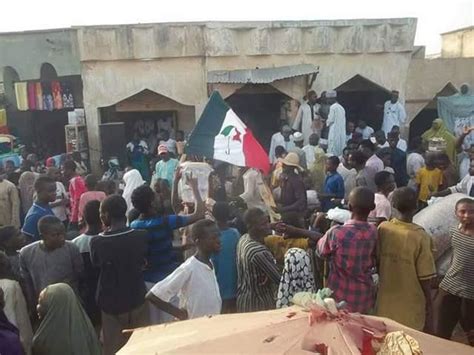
x=197 y=237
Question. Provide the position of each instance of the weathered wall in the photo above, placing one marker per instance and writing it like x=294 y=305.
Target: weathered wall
x=173 y=59
x=427 y=77
x=27 y=51
x=458 y=44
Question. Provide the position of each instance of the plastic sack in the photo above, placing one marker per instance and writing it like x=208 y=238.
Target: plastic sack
x=437 y=219
x=201 y=171
x=339 y=215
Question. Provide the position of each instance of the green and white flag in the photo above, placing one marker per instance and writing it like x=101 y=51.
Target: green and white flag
x=220 y=134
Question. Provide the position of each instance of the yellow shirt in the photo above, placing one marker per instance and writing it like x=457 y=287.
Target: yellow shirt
x=279 y=246
x=405 y=257
x=429 y=181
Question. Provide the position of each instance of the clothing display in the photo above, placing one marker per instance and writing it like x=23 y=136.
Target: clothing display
x=68 y=99
x=31 y=96
x=47 y=97
x=3 y=117
x=21 y=96
x=57 y=95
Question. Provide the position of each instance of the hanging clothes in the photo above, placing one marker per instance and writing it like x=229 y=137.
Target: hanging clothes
x=39 y=96
x=31 y=87
x=47 y=97
x=57 y=95
x=3 y=117
x=68 y=99
x=21 y=96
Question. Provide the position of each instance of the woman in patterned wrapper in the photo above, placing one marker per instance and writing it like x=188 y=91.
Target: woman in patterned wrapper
x=297 y=276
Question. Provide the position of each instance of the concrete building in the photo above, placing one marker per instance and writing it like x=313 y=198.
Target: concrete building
x=458 y=43
x=162 y=74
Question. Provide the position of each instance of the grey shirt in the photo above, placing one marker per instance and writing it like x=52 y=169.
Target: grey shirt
x=41 y=268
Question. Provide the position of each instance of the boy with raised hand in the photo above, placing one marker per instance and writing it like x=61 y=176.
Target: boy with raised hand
x=350 y=251
x=194 y=281
x=406 y=266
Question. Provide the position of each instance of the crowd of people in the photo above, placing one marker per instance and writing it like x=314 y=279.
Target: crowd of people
x=83 y=259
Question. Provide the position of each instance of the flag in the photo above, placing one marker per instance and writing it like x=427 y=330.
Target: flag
x=220 y=134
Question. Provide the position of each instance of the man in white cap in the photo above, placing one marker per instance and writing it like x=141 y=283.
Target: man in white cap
x=298 y=148
x=393 y=113
x=283 y=138
x=307 y=112
x=166 y=167
x=337 y=125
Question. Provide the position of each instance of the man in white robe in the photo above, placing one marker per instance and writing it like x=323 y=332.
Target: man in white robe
x=283 y=138
x=307 y=112
x=337 y=125
x=393 y=113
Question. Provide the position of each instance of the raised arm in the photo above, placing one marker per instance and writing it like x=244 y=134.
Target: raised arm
x=175 y=201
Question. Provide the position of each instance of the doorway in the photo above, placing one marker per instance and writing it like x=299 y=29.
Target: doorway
x=363 y=100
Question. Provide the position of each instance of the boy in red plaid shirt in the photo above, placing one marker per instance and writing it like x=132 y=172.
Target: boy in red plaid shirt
x=350 y=251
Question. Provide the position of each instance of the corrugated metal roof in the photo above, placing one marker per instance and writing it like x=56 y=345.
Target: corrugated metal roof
x=260 y=75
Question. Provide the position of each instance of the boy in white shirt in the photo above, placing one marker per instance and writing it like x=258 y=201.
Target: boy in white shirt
x=365 y=130
x=194 y=281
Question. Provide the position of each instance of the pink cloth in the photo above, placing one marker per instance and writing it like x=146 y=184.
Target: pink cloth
x=77 y=187
x=383 y=208
x=87 y=197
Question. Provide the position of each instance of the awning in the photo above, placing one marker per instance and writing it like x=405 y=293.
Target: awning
x=260 y=75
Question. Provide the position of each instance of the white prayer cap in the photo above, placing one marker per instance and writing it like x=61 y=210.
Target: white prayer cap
x=298 y=137
x=331 y=94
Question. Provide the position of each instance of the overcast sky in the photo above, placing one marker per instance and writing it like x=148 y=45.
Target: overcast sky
x=434 y=16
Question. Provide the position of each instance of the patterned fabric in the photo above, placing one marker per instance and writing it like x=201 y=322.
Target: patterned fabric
x=350 y=250
x=257 y=274
x=297 y=277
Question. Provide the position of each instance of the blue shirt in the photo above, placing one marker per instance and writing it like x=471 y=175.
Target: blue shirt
x=225 y=263
x=165 y=170
x=161 y=257
x=334 y=184
x=30 y=227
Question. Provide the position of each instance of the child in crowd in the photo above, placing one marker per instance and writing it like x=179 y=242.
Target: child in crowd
x=406 y=266
x=59 y=206
x=11 y=241
x=455 y=300
x=45 y=189
x=450 y=175
x=333 y=185
x=93 y=225
x=385 y=183
x=364 y=130
x=50 y=260
x=194 y=281
x=225 y=260
x=77 y=187
x=91 y=194
x=350 y=250
x=119 y=252
x=365 y=176
x=428 y=179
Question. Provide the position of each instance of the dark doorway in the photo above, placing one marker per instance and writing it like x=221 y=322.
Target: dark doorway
x=363 y=100
x=259 y=107
x=429 y=113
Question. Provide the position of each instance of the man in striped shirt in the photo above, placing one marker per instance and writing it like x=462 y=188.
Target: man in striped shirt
x=257 y=272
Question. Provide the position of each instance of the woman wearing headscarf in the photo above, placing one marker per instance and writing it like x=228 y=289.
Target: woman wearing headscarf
x=132 y=180
x=438 y=130
x=297 y=276
x=26 y=185
x=65 y=328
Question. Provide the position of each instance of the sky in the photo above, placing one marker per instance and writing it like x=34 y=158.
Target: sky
x=434 y=16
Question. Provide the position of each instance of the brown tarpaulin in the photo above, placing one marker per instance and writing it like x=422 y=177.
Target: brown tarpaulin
x=269 y=332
